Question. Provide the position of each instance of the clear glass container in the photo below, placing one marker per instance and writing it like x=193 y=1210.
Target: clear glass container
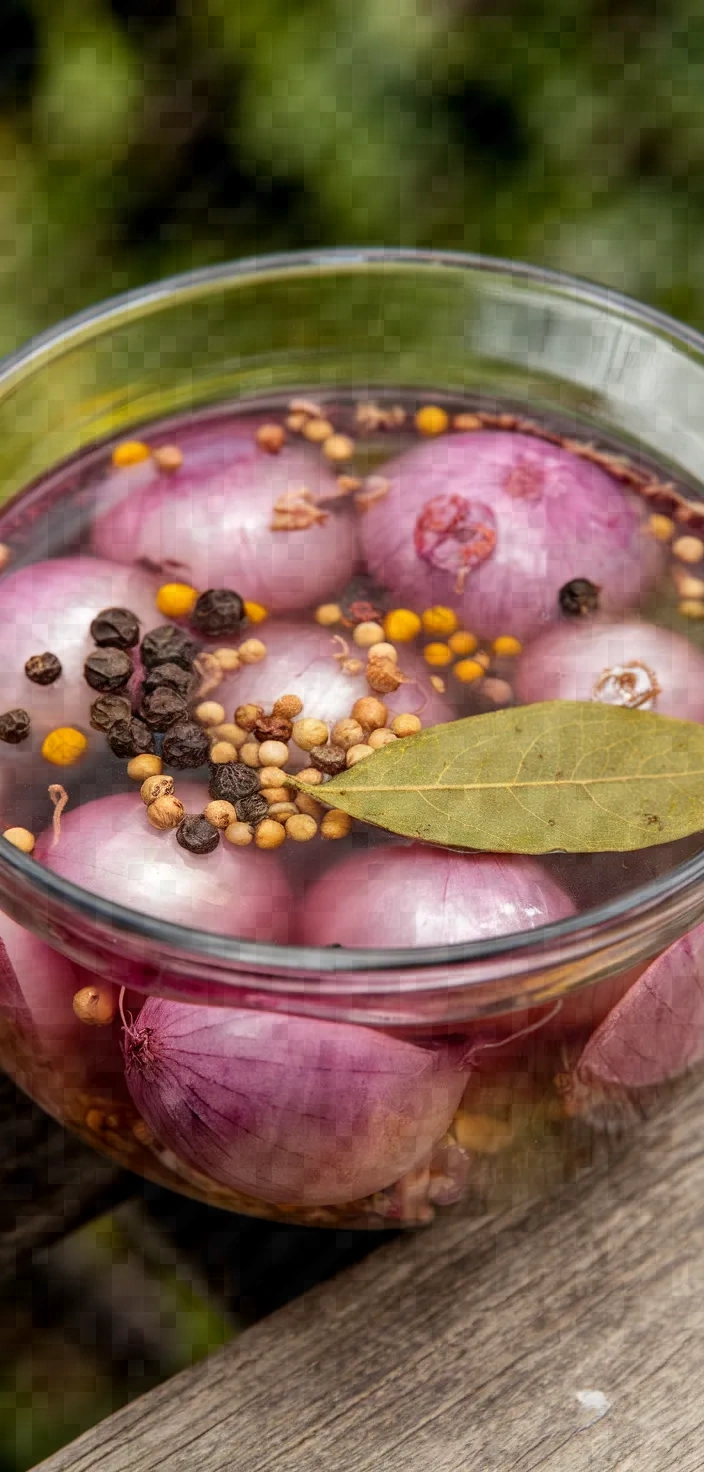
x=509 y=1018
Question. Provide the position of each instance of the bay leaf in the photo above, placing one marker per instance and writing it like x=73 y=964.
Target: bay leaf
x=578 y=776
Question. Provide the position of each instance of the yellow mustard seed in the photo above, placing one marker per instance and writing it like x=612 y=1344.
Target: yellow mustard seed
x=229 y=731
x=130 y=452
x=506 y=645
x=661 y=527
x=240 y=834
x=223 y=751
x=402 y=625
x=405 y=724
x=168 y=457
x=439 y=620
x=228 y=659
x=64 y=746
x=273 y=753
x=269 y=834
x=301 y=827
x=311 y=775
x=383 y=651
x=359 y=753
x=307 y=804
x=95 y=1005
x=463 y=642
x=210 y=713
x=270 y=777
x=176 y=600
x=221 y=814
x=277 y=794
x=282 y=809
x=367 y=634
x=338 y=448
x=317 y=430
x=382 y=737
x=271 y=437
x=468 y=670
x=252 y=651
x=691 y=608
x=249 y=754
x=255 y=612
x=20 y=838
x=431 y=420
x=308 y=733
x=437 y=655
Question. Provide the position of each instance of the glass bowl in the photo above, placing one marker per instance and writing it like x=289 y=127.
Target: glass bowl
x=497 y=1028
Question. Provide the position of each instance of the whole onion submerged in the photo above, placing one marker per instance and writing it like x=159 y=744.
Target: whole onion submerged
x=209 y=523
x=633 y=663
x=495 y=523
x=287 y=1108
x=656 y=1032
x=301 y=660
x=109 y=848
x=423 y=896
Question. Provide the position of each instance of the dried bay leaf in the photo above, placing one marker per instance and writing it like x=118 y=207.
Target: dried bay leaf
x=578 y=776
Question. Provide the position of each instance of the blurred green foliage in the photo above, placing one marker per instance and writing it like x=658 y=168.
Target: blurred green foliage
x=141 y=137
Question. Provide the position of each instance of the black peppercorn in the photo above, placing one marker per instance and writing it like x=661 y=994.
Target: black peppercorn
x=107 y=669
x=130 y=738
x=231 y=781
x=173 y=675
x=108 y=709
x=185 y=745
x=329 y=758
x=43 y=669
x=162 y=707
x=14 y=726
x=167 y=645
x=198 y=835
x=252 y=809
x=579 y=598
x=217 y=612
x=273 y=728
x=115 y=628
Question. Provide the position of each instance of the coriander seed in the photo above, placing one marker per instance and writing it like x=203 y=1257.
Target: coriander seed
x=156 y=786
x=14 y=726
x=288 y=707
x=370 y=713
x=20 y=838
x=222 y=751
x=95 y=1005
x=358 y=753
x=220 y=814
x=166 y=812
x=272 y=753
x=335 y=824
x=43 y=669
x=383 y=675
x=269 y=834
x=240 y=834
x=253 y=651
x=347 y=733
x=209 y=713
x=382 y=737
x=308 y=733
x=301 y=827
x=197 y=835
x=141 y=767
x=116 y=628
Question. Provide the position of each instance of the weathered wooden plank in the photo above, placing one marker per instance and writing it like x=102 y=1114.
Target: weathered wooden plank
x=49 y=1181
x=467 y=1346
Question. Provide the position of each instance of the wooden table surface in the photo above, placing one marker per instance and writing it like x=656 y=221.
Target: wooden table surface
x=468 y=1347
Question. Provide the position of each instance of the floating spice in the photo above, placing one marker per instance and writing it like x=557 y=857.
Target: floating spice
x=130 y=738
x=218 y=612
x=107 y=669
x=115 y=628
x=252 y=809
x=231 y=781
x=579 y=598
x=186 y=745
x=43 y=669
x=108 y=709
x=15 y=726
x=197 y=835
x=162 y=707
x=168 y=645
x=182 y=681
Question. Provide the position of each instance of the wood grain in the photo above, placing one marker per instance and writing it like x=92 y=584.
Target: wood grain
x=465 y=1347
x=49 y=1181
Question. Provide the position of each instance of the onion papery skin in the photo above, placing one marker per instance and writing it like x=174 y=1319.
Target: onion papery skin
x=300 y=660
x=209 y=522
x=289 y=1109
x=554 y=517
x=567 y=662
x=110 y=848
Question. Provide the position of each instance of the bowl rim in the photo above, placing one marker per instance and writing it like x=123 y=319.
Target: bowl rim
x=616 y=923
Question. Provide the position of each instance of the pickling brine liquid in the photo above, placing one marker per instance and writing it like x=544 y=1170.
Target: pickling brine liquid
x=191 y=615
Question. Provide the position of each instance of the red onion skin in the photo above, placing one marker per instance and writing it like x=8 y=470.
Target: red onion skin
x=567 y=662
x=110 y=848
x=209 y=523
x=555 y=517
x=287 y=1108
x=300 y=660
x=657 y=1031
